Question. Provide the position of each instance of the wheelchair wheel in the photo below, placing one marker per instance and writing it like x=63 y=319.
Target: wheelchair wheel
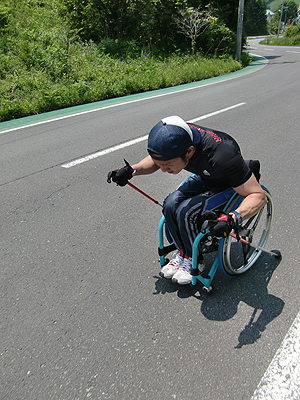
x=236 y=257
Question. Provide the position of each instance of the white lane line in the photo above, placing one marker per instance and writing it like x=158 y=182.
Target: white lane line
x=291 y=51
x=138 y=140
x=269 y=49
x=103 y=152
x=282 y=378
x=216 y=112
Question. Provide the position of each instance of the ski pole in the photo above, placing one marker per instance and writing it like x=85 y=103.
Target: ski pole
x=256 y=247
x=143 y=193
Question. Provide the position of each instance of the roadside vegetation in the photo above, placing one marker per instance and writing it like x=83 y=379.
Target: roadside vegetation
x=91 y=76
x=291 y=37
x=275 y=4
x=61 y=53
x=288 y=16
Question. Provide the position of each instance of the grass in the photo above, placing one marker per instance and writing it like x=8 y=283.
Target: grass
x=282 y=41
x=87 y=75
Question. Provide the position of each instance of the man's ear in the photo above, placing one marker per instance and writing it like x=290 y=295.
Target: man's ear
x=190 y=152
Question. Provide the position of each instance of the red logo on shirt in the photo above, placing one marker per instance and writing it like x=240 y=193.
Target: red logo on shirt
x=212 y=134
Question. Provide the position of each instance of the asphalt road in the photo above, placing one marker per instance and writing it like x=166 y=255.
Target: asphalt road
x=84 y=313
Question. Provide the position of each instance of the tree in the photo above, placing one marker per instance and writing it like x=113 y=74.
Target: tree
x=148 y=24
x=225 y=10
x=217 y=39
x=290 y=11
x=145 y=21
x=255 y=17
x=191 y=23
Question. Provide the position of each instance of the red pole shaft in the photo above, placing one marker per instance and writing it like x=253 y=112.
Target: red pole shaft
x=143 y=193
x=241 y=239
x=255 y=247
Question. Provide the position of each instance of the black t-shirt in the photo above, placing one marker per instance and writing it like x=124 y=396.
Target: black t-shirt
x=218 y=160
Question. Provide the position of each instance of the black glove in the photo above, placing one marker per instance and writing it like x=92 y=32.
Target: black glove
x=205 y=220
x=220 y=223
x=122 y=175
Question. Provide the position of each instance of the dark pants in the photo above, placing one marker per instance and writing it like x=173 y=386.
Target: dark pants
x=182 y=207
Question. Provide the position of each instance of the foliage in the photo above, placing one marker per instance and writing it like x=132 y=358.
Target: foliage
x=273 y=5
x=217 y=39
x=225 y=10
x=256 y=19
x=94 y=76
x=291 y=37
x=289 y=14
x=148 y=22
x=120 y=48
x=292 y=30
x=4 y=15
x=290 y=10
x=47 y=62
x=192 y=23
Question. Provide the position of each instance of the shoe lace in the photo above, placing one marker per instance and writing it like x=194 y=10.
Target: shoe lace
x=177 y=259
x=187 y=265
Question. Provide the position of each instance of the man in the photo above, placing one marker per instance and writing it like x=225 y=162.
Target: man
x=217 y=164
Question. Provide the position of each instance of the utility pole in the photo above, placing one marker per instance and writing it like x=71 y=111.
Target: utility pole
x=239 y=33
x=280 y=18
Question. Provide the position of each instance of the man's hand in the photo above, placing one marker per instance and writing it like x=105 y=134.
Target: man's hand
x=224 y=225
x=122 y=175
x=220 y=224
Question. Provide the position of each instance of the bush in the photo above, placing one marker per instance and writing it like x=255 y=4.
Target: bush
x=4 y=15
x=246 y=59
x=217 y=39
x=292 y=30
x=120 y=48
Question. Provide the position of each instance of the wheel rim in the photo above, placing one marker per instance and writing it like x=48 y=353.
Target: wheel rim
x=238 y=258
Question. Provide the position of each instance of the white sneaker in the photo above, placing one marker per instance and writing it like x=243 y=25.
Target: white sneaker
x=172 y=267
x=183 y=275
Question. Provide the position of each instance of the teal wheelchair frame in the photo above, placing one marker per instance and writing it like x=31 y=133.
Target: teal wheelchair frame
x=234 y=257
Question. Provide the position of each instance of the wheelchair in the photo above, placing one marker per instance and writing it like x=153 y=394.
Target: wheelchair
x=234 y=255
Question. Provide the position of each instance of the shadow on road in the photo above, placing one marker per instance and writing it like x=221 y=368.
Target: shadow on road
x=271 y=58
x=250 y=288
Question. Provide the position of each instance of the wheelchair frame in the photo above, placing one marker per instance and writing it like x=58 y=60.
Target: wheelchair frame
x=223 y=246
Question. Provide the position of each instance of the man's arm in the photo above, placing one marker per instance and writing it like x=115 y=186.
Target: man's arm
x=254 y=200
x=145 y=166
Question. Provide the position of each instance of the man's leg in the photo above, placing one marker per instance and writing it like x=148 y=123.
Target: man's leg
x=190 y=188
x=188 y=211
x=187 y=220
